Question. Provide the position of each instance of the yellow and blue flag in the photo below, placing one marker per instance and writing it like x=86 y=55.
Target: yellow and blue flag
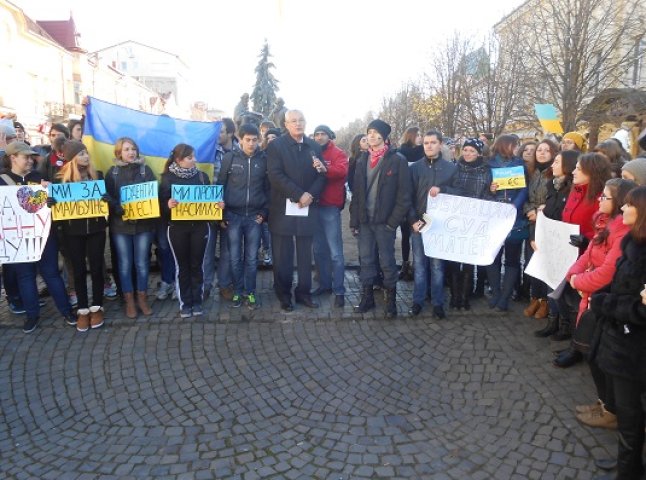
x=156 y=136
x=548 y=117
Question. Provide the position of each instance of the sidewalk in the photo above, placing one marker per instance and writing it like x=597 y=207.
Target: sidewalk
x=312 y=394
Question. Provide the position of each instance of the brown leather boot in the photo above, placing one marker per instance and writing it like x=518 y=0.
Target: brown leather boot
x=142 y=303
x=83 y=320
x=96 y=317
x=543 y=309
x=531 y=308
x=131 y=309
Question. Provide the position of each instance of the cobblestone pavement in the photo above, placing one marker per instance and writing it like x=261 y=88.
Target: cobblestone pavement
x=314 y=394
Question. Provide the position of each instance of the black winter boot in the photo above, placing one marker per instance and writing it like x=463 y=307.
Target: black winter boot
x=550 y=328
x=367 y=300
x=391 y=303
x=564 y=331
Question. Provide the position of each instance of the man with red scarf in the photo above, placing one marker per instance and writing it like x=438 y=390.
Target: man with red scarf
x=380 y=201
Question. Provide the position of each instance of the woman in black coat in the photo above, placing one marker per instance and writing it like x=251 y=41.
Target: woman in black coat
x=621 y=308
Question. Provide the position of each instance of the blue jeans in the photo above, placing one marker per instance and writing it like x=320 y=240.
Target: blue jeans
x=421 y=265
x=503 y=288
x=377 y=238
x=265 y=239
x=47 y=266
x=165 y=255
x=328 y=250
x=133 y=250
x=243 y=234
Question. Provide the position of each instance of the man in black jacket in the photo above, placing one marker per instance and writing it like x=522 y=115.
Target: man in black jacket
x=295 y=188
x=429 y=176
x=246 y=196
x=380 y=201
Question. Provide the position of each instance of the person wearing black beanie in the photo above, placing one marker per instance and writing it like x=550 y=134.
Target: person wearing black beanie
x=380 y=201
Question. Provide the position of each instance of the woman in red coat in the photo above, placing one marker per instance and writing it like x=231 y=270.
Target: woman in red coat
x=590 y=175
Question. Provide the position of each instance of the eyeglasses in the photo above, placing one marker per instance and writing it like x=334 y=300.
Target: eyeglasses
x=603 y=197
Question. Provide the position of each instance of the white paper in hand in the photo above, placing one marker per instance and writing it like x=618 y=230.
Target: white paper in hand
x=293 y=210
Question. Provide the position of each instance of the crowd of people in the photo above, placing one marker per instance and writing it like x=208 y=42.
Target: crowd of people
x=284 y=193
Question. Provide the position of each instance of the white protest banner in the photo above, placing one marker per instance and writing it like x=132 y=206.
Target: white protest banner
x=554 y=255
x=466 y=230
x=25 y=220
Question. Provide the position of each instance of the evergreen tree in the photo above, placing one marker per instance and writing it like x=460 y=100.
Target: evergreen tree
x=264 y=91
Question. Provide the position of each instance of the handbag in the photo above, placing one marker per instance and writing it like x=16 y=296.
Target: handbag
x=585 y=337
x=520 y=230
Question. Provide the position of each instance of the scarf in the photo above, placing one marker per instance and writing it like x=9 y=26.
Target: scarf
x=182 y=172
x=376 y=155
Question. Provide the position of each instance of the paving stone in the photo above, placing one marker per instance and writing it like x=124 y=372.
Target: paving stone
x=314 y=394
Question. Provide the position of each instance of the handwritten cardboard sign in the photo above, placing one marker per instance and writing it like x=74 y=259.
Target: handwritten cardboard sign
x=25 y=221
x=466 y=230
x=554 y=255
x=197 y=202
x=509 y=177
x=140 y=201
x=78 y=200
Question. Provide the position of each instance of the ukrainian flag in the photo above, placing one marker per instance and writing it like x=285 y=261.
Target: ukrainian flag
x=547 y=116
x=156 y=136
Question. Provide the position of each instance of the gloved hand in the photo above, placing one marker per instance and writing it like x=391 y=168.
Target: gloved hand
x=119 y=211
x=107 y=198
x=579 y=241
x=51 y=201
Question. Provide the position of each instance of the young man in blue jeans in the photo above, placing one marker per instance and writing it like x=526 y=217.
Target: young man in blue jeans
x=246 y=196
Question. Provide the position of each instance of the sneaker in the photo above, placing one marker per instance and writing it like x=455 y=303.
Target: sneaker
x=42 y=303
x=198 y=311
x=110 y=290
x=73 y=298
x=237 y=301
x=266 y=258
x=415 y=309
x=70 y=319
x=251 y=301
x=185 y=312
x=165 y=289
x=17 y=309
x=30 y=324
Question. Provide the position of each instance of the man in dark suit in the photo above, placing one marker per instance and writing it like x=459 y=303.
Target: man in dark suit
x=297 y=180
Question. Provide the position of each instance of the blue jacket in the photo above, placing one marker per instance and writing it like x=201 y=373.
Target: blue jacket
x=516 y=196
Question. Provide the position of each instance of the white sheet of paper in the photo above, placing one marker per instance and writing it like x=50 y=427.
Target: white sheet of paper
x=293 y=210
x=554 y=256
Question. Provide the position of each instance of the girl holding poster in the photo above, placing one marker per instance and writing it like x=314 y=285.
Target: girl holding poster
x=188 y=238
x=18 y=170
x=132 y=235
x=85 y=237
x=513 y=191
